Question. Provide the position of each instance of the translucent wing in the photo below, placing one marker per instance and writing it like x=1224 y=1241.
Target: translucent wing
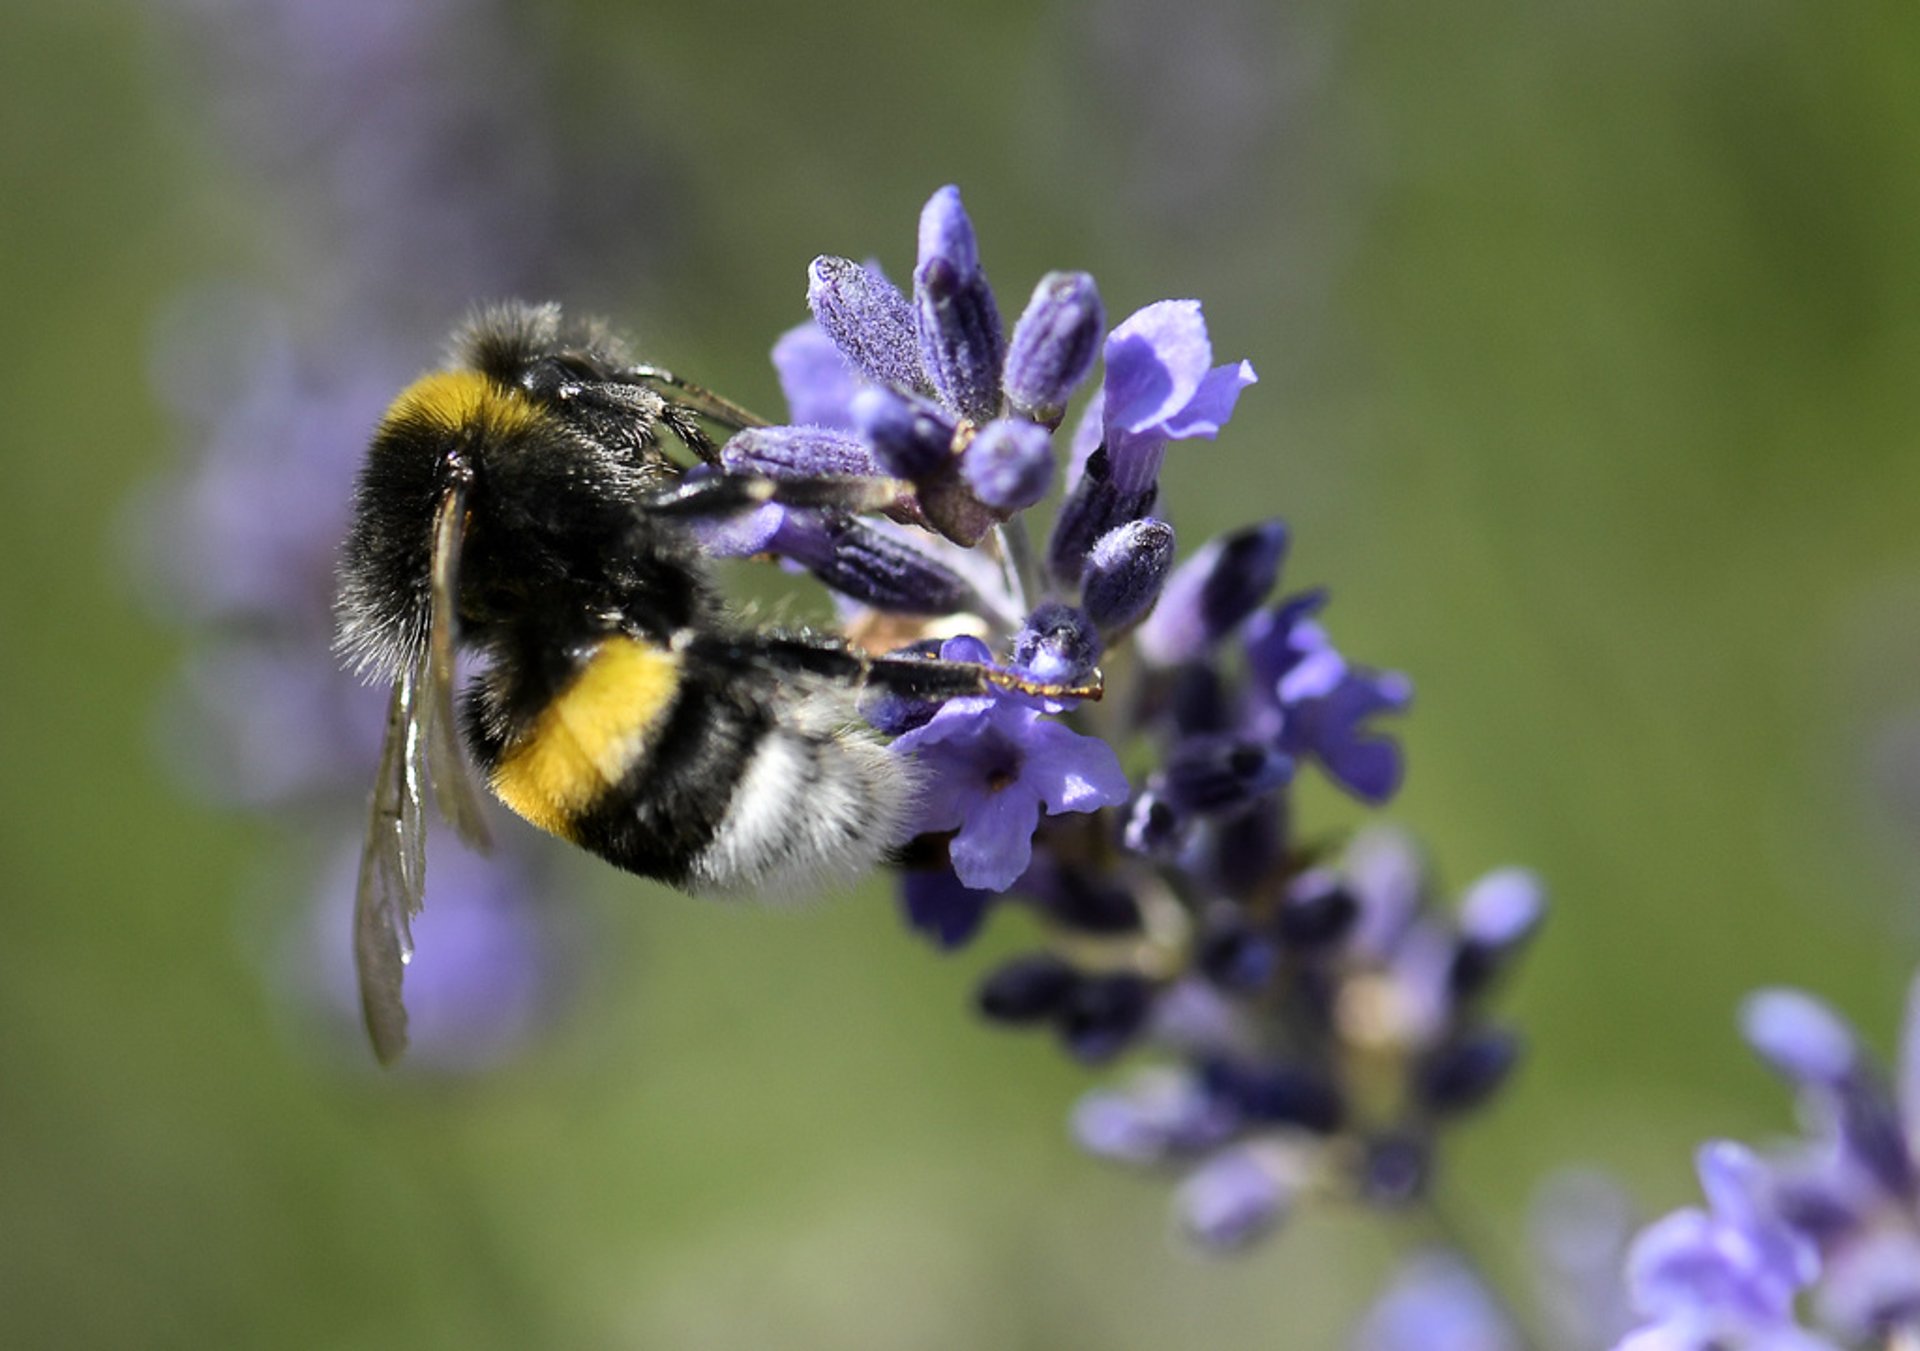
x=421 y=745
x=453 y=788
x=393 y=868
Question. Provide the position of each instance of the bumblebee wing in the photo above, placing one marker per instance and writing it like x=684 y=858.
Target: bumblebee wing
x=392 y=872
x=453 y=788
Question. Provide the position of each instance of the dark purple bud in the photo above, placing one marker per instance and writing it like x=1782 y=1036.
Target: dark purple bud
x=876 y=569
x=1465 y=1073
x=1054 y=345
x=1057 y=645
x=1092 y=509
x=1200 y=702
x=1027 y=989
x=961 y=345
x=797 y=452
x=1395 y=1170
x=1245 y=850
x=1217 y=775
x=1212 y=593
x=1083 y=901
x=1233 y=956
x=1103 y=1013
x=868 y=319
x=911 y=438
x=1317 y=911
x=1289 y=1094
x=1498 y=916
x=943 y=908
x=1009 y=464
x=1152 y=829
x=1125 y=570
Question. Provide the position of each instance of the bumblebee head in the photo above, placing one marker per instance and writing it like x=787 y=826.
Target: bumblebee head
x=540 y=438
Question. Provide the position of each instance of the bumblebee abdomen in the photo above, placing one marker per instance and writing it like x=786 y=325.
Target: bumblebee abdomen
x=702 y=778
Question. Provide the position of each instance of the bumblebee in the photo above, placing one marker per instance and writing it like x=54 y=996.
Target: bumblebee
x=520 y=506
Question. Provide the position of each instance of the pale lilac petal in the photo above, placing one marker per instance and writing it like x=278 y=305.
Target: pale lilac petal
x=818 y=382
x=1212 y=403
x=1156 y=360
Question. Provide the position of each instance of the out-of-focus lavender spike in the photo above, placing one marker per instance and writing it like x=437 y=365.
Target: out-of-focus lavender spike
x=1498 y=915
x=1800 y=1036
x=1461 y=1076
x=1221 y=775
x=1234 y=1199
x=1054 y=346
x=961 y=343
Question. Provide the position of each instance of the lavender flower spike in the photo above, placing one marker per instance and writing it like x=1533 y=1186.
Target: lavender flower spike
x=1161 y=385
x=1054 y=345
x=961 y=345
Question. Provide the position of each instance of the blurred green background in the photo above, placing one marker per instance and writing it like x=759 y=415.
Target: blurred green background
x=1588 y=339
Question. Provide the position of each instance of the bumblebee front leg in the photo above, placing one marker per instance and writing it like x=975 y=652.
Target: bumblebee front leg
x=725 y=494
x=699 y=398
x=918 y=678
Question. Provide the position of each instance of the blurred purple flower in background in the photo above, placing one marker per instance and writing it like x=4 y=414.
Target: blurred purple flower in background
x=414 y=167
x=1835 y=1216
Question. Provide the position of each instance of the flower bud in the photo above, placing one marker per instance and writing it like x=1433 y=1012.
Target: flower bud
x=1027 y=989
x=797 y=452
x=961 y=346
x=1054 y=345
x=1092 y=509
x=1009 y=464
x=1125 y=571
x=911 y=439
x=1057 y=645
x=868 y=319
x=1212 y=593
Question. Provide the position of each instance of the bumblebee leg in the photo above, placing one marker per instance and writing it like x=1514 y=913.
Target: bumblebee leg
x=920 y=678
x=724 y=494
x=704 y=401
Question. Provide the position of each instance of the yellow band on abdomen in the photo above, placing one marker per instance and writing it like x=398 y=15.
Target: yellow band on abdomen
x=590 y=736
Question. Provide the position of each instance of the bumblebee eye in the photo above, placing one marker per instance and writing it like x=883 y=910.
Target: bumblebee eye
x=554 y=378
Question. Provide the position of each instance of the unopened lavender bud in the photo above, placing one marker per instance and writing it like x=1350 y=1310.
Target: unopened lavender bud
x=1009 y=464
x=1465 y=1073
x=868 y=319
x=1498 y=916
x=1126 y=568
x=1212 y=593
x=1800 y=1037
x=1054 y=345
x=1237 y=1197
x=876 y=569
x=1103 y=1013
x=961 y=345
x=1027 y=989
x=797 y=452
x=1234 y=956
x=910 y=438
x=1317 y=911
x=1208 y=776
x=1281 y=1093
x=1092 y=509
x=1057 y=645
x=1152 y=827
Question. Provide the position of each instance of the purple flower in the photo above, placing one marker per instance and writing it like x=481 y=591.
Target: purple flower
x=1436 y=1302
x=991 y=766
x=1161 y=385
x=816 y=379
x=1318 y=705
